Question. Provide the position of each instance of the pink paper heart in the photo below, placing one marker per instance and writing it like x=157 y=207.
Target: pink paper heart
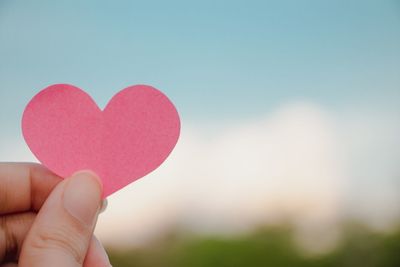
x=135 y=133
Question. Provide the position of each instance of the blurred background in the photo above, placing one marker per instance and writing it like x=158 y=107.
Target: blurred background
x=290 y=149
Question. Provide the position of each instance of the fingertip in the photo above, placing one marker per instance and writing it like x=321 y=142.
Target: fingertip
x=92 y=175
x=82 y=196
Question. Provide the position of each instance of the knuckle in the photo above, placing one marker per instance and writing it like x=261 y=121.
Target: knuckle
x=61 y=238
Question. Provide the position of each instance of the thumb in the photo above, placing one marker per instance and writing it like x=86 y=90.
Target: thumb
x=62 y=231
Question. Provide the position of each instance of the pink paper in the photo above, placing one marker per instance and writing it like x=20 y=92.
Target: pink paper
x=135 y=133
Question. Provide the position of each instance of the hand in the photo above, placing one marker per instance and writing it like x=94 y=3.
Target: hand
x=47 y=221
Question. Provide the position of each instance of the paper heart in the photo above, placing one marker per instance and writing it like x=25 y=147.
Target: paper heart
x=68 y=132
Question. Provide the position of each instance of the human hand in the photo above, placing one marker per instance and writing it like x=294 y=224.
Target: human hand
x=47 y=221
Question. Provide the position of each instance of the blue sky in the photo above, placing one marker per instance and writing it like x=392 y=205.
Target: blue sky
x=217 y=60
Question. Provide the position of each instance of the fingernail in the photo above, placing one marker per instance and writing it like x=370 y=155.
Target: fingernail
x=104 y=257
x=104 y=205
x=82 y=196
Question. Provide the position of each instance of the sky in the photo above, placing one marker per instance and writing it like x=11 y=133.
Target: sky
x=294 y=101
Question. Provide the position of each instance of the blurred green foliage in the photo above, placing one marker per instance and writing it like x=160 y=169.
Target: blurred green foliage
x=270 y=246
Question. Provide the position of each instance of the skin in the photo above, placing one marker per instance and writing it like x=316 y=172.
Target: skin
x=39 y=223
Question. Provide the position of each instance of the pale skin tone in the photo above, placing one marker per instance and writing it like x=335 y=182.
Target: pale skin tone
x=48 y=221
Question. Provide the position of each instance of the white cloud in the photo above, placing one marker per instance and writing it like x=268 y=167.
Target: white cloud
x=230 y=180
x=370 y=147
x=298 y=163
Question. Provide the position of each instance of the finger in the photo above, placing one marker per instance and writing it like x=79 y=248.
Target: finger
x=13 y=230
x=24 y=186
x=96 y=255
x=9 y=265
x=63 y=228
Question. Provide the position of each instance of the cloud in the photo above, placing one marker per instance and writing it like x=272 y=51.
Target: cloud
x=369 y=142
x=236 y=177
x=300 y=162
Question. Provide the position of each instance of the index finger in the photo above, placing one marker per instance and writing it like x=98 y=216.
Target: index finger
x=24 y=186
